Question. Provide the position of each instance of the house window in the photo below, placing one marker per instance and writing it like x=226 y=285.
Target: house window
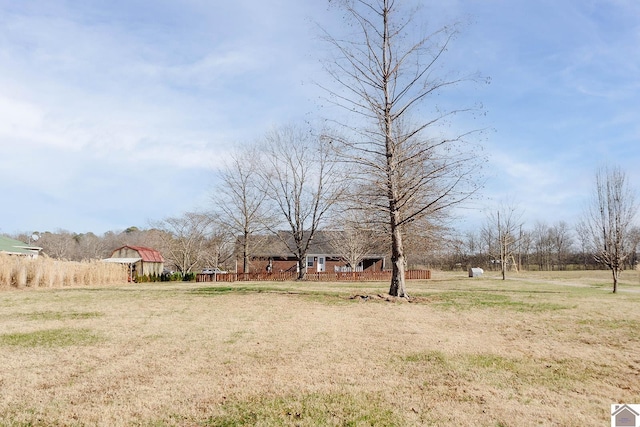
x=309 y=261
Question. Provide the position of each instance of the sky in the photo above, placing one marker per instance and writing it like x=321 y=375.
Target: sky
x=118 y=113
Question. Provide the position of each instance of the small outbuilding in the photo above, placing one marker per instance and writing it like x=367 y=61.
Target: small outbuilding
x=476 y=272
x=142 y=261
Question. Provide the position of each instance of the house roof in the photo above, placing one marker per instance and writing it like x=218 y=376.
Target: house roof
x=324 y=243
x=17 y=247
x=146 y=254
x=282 y=245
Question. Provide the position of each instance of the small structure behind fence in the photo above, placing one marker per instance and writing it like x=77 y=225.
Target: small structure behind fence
x=355 y=276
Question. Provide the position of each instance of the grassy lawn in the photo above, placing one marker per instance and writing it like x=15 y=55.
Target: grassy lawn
x=537 y=349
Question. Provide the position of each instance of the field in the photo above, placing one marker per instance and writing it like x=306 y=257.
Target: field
x=537 y=349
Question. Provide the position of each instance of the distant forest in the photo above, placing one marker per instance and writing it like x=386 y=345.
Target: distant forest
x=188 y=245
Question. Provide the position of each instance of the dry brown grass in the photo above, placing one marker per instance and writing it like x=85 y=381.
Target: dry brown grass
x=21 y=272
x=463 y=352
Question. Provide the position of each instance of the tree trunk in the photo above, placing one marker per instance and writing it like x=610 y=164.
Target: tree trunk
x=245 y=254
x=616 y=274
x=302 y=267
x=503 y=249
x=503 y=259
x=397 y=260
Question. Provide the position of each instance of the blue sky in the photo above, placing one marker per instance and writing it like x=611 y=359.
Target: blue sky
x=117 y=113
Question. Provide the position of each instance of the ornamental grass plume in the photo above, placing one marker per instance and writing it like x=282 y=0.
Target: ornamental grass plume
x=21 y=272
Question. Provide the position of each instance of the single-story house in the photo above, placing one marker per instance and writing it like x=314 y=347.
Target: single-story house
x=142 y=261
x=16 y=247
x=326 y=253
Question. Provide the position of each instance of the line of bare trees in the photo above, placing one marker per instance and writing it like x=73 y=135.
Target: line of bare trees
x=607 y=235
x=540 y=246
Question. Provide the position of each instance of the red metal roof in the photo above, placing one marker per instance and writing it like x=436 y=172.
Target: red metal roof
x=147 y=254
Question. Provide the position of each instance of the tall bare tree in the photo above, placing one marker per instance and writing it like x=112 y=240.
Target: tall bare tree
x=91 y=246
x=560 y=234
x=634 y=238
x=356 y=238
x=302 y=183
x=407 y=165
x=240 y=201
x=543 y=245
x=218 y=249
x=506 y=226
x=609 y=219
x=583 y=234
x=185 y=239
x=524 y=248
x=60 y=245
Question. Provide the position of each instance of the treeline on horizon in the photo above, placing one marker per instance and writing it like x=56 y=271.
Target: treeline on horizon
x=543 y=246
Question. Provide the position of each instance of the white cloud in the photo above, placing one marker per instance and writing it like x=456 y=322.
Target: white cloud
x=18 y=115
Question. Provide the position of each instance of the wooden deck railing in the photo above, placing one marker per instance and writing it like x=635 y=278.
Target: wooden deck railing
x=358 y=276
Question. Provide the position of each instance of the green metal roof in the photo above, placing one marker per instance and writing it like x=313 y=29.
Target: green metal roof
x=17 y=247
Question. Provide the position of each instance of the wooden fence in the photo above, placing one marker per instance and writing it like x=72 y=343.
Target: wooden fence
x=358 y=276
x=417 y=274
